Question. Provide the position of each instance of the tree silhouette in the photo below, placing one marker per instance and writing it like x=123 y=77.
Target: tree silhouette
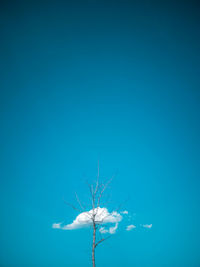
x=97 y=190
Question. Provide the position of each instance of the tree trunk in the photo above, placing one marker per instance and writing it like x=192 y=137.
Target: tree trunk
x=93 y=244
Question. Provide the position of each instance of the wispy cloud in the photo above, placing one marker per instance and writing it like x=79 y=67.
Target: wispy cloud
x=84 y=219
x=103 y=230
x=56 y=225
x=130 y=227
x=111 y=230
x=124 y=212
x=147 y=225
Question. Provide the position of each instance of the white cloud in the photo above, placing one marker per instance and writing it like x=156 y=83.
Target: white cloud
x=124 y=212
x=103 y=230
x=147 y=225
x=130 y=227
x=111 y=230
x=56 y=225
x=84 y=219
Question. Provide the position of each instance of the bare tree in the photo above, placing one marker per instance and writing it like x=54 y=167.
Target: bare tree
x=97 y=190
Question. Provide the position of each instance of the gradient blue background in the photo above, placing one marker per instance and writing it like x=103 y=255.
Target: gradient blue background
x=114 y=81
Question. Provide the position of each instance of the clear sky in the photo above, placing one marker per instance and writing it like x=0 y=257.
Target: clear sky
x=114 y=81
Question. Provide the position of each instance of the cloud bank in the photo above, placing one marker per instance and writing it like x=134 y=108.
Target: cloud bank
x=102 y=217
x=84 y=219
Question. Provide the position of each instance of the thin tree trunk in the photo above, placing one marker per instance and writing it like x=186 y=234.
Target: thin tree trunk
x=93 y=244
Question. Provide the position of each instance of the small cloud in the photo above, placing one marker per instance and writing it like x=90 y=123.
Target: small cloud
x=84 y=219
x=56 y=225
x=130 y=227
x=124 y=212
x=111 y=230
x=147 y=225
x=103 y=230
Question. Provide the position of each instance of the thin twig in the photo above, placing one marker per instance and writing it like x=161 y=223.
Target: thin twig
x=104 y=188
x=100 y=241
x=79 y=202
x=71 y=205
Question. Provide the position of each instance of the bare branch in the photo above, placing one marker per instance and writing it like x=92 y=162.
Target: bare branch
x=98 y=169
x=122 y=204
x=90 y=216
x=100 y=241
x=97 y=182
x=97 y=190
x=71 y=205
x=89 y=185
x=104 y=188
x=79 y=202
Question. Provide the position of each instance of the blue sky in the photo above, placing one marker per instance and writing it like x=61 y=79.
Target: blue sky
x=114 y=81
